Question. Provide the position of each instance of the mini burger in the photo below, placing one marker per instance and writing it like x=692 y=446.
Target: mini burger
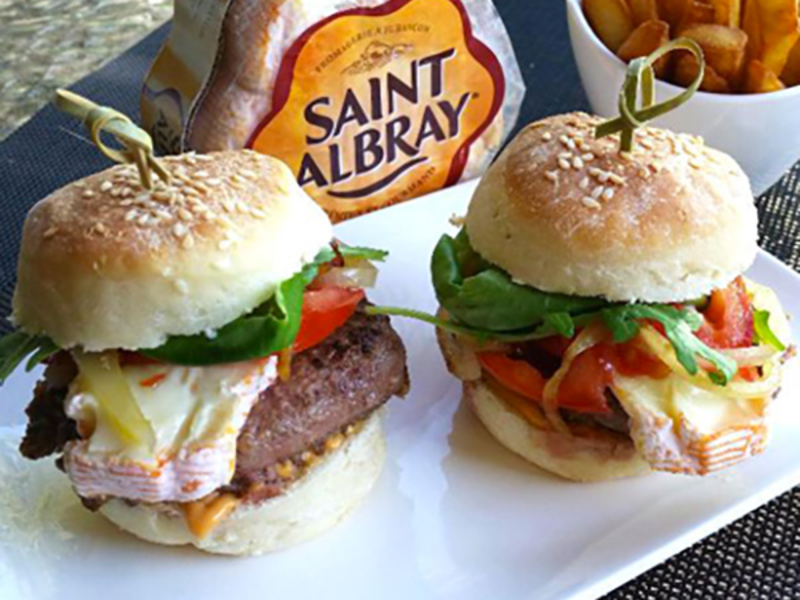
x=211 y=377
x=594 y=307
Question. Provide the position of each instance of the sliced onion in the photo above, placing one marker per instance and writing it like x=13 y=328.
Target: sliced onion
x=755 y=356
x=354 y=274
x=589 y=337
x=660 y=347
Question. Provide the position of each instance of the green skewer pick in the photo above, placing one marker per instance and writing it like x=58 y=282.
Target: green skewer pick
x=640 y=75
x=137 y=146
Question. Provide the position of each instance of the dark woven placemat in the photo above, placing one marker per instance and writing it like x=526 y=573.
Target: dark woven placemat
x=757 y=557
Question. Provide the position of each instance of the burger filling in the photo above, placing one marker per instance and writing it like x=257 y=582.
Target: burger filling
x=566 y=361
x=176 y=425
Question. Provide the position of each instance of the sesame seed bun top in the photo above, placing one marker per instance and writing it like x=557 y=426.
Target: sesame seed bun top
x=565 y=212
x=106 y=263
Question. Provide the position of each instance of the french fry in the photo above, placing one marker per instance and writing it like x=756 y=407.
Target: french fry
x=791 y=72
x=646 y=39
x=611 y=21
x=697 y=13
x=643 y=11
x=751 y=25
x=672 y=11
x=779 y=31
x=684 y=73
x=760 y=79
x=723 y=47
x=727 y=12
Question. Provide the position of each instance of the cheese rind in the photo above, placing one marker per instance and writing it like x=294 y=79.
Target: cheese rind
x=195 y=415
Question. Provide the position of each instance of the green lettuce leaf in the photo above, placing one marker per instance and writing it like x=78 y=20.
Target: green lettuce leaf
x=484 y=302
x=679 y=325
x=17 y=346
x=269 y=328
x=484 y=297
x=763 y=331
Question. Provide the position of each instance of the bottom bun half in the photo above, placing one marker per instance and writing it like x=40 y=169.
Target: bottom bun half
x=593 y=455
x=319 y=500
x=590 y=454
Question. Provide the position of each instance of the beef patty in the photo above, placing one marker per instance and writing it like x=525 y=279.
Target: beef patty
x=333 y=385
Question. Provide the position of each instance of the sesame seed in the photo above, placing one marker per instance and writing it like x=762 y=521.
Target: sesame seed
x=696 y=164
x=201 y=174
x=188 y=242
x=552 y=176
x=213 y=182
x=184 y=214
x=144 y=219
x=106 y=186
x=588 y=157
x=577 y=163
x=603 y=176
x=50 y=232
x=595 y=172
x=616 y=179
x=247 y=174
x=260 y=214
x=563 y=163
x=225 y=244
x=161 y=196
x=590 y=202
x=88 y=194
x=626 y=156
x=181 y=286
x=547 y=136
x=584 y=184
x=597 y=192
x=131 y=214
x=565 y=155
x=179 y=229
x=608 y=194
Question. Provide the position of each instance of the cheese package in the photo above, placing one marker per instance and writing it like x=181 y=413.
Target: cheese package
x=370 y=102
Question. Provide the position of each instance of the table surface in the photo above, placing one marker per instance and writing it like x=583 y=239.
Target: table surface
x=46 y=44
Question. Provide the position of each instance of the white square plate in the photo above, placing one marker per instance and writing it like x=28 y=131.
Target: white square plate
x=454 y=515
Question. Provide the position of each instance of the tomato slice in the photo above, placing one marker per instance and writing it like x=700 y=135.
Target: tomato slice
x=728 y=318
x=583 y=389
x=324 y=311
x=516 y=375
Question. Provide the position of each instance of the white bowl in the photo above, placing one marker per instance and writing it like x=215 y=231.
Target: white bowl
x=761 y=131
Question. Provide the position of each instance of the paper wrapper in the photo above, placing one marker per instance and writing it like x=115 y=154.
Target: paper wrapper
x=370 y=102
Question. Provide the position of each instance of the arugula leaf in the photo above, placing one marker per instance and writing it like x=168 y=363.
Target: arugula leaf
x=18 y=345
x=763 y=331
x=679 y=327
x=269 y=328
x=484 y=297
x=327 y=254
x=486 y=303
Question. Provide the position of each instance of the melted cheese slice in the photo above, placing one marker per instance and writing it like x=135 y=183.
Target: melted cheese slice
x=154 y=433
x=680 y=427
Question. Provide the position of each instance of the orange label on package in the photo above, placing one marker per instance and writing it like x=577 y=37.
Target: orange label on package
x=373 y=106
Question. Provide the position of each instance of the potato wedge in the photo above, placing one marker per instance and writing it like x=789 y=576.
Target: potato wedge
x=611 y=21
x=644 y=40
x=724 y=49
x=751 y=25
x=643 y=11
x=727 y=12
x=779 y=31
x=760 y=79
x=684 y=71
x=697 y=13
x=672 y=11
x=791 y=72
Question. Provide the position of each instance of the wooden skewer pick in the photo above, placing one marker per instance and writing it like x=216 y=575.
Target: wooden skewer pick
x=137 y=146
